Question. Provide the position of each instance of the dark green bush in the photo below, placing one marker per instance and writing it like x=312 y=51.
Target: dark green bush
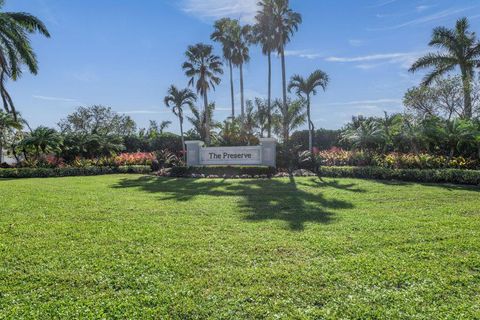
x=224 y=170
x=169 y=141
x=70 y=171
x=457 y=176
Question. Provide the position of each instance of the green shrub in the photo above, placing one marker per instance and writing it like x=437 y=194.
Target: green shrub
x=457 y=176
x=223 y=170
x=70 y=171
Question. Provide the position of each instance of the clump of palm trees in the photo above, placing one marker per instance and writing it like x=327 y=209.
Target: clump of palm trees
x=407 y=133
x=275 y=24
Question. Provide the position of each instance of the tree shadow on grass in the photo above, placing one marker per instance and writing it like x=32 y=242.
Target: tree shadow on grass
x=447 y=186
x=262 y=200
x=321 y=183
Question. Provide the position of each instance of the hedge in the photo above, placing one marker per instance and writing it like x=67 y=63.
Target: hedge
x=223 y=170
x=70 y=171
x=456 y=176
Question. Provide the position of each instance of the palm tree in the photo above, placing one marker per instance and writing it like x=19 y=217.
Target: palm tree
x=16 y=50
x=304 y=88
x=289 y=119
x=391 y=126
x=44 y=140
x=460 y=49
x=230 y=132
x=200 y=118
x=249 y=123
x=456 y=132
x=264 y=34
x=413 y=133
x=177 y=99
x=223 y=33
x=475 y=131
x=7 y=122
x=285 y=22
x=203 y=68
x=105 y=145
x=163 y=126
x=367 y=135
x=241 y=55
x=261 y=115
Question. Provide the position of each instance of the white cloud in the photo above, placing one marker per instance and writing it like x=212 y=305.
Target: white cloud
x=368 y=103
x=54 y=98
x=356 y=42
x=405 y=59
x=243 y=10
x=430 y=18
x=422 y=8
x=302 y=54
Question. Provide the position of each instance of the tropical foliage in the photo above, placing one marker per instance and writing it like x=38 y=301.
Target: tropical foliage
x=16 y=51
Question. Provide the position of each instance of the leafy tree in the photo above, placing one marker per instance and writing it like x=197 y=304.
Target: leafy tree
x=43 y=140
x=305 y=88
x=177 y=100
x=16 y=50
x=421 y=101
x=98 y=120
x=285 y=22
x=8 y=122
x=460 y=49
x=203 y=68
x=264 y=35
x=224 y=34
x=444 y=98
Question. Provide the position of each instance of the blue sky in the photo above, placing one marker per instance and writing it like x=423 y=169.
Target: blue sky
x=125 y=53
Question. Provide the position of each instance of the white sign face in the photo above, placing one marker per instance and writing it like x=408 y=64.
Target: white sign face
x=231 y=156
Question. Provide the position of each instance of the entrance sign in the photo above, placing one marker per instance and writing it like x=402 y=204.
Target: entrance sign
x=231 y=155
x=261 y=155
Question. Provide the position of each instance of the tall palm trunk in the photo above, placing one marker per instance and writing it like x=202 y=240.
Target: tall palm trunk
x=207 y=119
x=467 y=93
x=231 y=88
x=181 y=137
x=242 y=101
x=269 y=101
x=310 y=135
x=284 y=80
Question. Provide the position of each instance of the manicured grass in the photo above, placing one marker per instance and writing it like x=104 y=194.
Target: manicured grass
x=127 y=246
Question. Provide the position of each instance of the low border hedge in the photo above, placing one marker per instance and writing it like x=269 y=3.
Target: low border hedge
x=456 y=176
x=70 y=171
x=223 y=170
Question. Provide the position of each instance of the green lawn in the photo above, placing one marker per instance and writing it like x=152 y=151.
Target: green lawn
x=127 y=246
